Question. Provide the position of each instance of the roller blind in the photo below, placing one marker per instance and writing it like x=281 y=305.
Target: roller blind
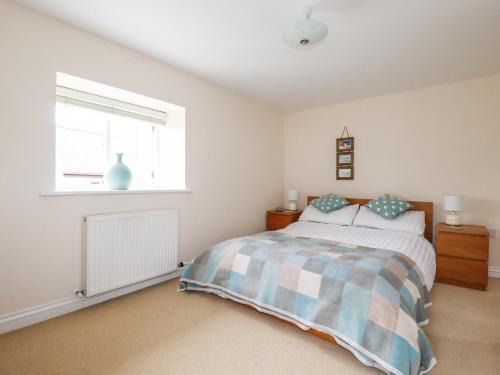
x=104 y=104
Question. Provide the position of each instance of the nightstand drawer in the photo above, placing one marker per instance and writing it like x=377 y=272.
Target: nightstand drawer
x=463 y=246
x=470 y=273
x=279 y=220
x=275 y=222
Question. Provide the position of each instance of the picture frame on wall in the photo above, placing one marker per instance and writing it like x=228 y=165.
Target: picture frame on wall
x=345 y=144
x=345 y=158
x=345 y=173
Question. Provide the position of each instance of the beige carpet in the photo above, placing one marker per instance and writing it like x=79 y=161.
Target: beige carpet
x=159 y=331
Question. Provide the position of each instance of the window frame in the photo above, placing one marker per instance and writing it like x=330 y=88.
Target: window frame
x=171 y=167
x=112 y=107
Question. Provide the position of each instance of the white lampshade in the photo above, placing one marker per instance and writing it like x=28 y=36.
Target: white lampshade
x=453 y=203
x=293 y=195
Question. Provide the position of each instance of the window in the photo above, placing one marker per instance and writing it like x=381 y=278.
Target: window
x=91 y=129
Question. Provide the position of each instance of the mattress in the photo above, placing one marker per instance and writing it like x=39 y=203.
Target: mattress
x=415 y=247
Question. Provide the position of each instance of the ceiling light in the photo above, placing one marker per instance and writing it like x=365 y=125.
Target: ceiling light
x=304 y=31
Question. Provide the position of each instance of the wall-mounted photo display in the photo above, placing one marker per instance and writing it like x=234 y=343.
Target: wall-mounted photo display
x=345 y=156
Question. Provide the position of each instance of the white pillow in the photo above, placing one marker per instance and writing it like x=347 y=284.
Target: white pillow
x=342 y=216
x=410 y=221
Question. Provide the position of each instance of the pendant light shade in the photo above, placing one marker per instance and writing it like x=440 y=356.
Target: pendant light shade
x=304 y=31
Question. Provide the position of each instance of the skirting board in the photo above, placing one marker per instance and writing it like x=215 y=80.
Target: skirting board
x=23 y=318
x=494 y=272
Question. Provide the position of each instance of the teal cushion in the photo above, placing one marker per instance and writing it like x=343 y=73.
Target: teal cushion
x=329 y=203
x=388 y=206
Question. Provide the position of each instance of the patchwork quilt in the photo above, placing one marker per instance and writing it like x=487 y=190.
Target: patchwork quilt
x=372 y=301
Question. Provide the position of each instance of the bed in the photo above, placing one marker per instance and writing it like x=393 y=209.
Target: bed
x=364 y=289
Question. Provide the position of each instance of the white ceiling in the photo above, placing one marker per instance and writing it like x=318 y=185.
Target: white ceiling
x=374 y=47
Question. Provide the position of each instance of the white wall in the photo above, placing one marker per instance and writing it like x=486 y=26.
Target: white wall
x=420 y=144
x=234 y=155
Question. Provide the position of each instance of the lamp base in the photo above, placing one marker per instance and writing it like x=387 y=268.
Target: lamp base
x=454 y=220
x=292 y=206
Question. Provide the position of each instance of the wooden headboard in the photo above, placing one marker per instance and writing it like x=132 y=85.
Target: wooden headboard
x=417 y=206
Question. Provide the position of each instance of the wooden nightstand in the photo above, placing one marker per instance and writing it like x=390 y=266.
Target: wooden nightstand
x=462 y=255
x=278 y=220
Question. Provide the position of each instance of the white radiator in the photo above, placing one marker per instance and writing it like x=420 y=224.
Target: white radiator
x=126 y=248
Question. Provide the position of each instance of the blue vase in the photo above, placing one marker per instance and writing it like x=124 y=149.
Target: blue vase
x=119 y=175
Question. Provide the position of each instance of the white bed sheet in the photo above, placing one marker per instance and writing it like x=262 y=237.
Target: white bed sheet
x=415 y=247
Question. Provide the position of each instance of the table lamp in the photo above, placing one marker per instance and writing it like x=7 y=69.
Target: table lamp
x=293 y=197
x=453 y=204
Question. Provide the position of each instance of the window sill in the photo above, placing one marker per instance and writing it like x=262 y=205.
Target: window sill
x=112 y=192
